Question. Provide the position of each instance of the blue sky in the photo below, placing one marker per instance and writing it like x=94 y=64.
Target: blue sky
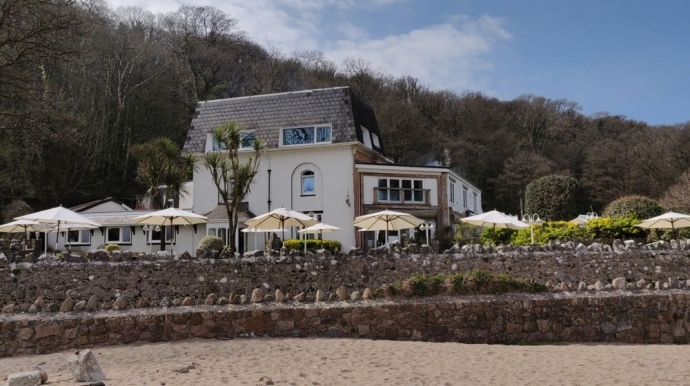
x=627 y=58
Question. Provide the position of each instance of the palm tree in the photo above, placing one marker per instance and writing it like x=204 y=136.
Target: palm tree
x=233 y=178
x=164 y=168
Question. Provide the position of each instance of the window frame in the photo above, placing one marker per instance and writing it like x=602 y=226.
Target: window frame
x=215 y=146
x=121 y=234
x=399 y=189
x=464 y=197
x=314 y=127
x=366 y=137
x=217 y=233
x=81 y=233
x=152 y=241
x=304 y=175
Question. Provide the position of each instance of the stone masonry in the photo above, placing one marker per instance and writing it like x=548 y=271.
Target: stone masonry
x=151 y=282
x=616 y=316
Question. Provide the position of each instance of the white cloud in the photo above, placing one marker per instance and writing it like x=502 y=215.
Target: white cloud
x=453 y=54
x=450 y=55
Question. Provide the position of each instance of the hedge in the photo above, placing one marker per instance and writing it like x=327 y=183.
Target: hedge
x=312 y=245
x=639 y=207
x=554 y=198
x=600 y=229
x=212 y=246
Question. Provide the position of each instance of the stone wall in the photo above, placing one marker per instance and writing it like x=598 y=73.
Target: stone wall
x=156 y=281
x=625 y=317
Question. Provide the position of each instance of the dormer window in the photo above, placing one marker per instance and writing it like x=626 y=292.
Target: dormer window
x=307 y=135
x=247 y=138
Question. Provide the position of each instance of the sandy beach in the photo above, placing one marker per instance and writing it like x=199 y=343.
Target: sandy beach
x=367 y=362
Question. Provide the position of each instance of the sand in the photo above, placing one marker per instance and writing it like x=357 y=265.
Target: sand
x=367 y=362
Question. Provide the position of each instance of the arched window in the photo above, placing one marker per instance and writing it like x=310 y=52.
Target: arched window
x=308 y=187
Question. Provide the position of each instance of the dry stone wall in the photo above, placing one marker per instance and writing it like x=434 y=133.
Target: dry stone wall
x=626 y=317
x=153 y=283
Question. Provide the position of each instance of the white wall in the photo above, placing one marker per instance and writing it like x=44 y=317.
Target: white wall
x=333 y=167
x=459 y=204
x=139 y=243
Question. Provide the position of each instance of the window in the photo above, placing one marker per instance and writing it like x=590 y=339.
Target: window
x=119 y=235
x=452 y=193
x=464 y=197
x=221 y=233
x=308 y=188
x=474 y=203
x=247 y=138
x=375 y=139
x=155 y=237
x=306 y=135
x=400 y=190
x=79 y=237
x=366 y=137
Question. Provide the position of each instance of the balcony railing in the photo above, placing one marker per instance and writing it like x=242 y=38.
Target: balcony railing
x=403 y=196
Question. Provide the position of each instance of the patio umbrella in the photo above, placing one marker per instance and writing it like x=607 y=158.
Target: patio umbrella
x=171 y=216
x=668 y=220
x=318 y=229
x=387 y=220
x=255 y=230
x=58 y=216
x=21 y=226
x=494 y=219
x=280 y=218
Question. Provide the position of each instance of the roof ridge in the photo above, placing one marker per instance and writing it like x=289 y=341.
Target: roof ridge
x=267 y=96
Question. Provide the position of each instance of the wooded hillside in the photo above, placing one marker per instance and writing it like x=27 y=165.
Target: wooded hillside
x=80 y=84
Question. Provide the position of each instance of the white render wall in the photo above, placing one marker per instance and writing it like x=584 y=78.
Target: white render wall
x=332 y=165
x=458 y=205
x=139 y=243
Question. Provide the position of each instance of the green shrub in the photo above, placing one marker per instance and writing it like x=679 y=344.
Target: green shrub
x=312 y=245
x=551 y=231
x=600 y=229
x=422 y=285
x=212 y=246
x=496 y=236
x=112 y=248
x=606 y=229
x=472 y=282
x=639 y=207
x=554 y=198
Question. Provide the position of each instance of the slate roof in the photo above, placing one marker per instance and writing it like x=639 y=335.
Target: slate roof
x=267 y=114
x=91 y=204
x=219 y=214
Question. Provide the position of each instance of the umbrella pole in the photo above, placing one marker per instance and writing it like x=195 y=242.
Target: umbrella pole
x=45 y=240
x=305 y=242
x=386 y=234
x=172 y=246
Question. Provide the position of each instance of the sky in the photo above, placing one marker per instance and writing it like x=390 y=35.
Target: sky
x=623 y=57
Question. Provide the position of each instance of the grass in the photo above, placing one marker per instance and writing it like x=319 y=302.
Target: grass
x=476 y=282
